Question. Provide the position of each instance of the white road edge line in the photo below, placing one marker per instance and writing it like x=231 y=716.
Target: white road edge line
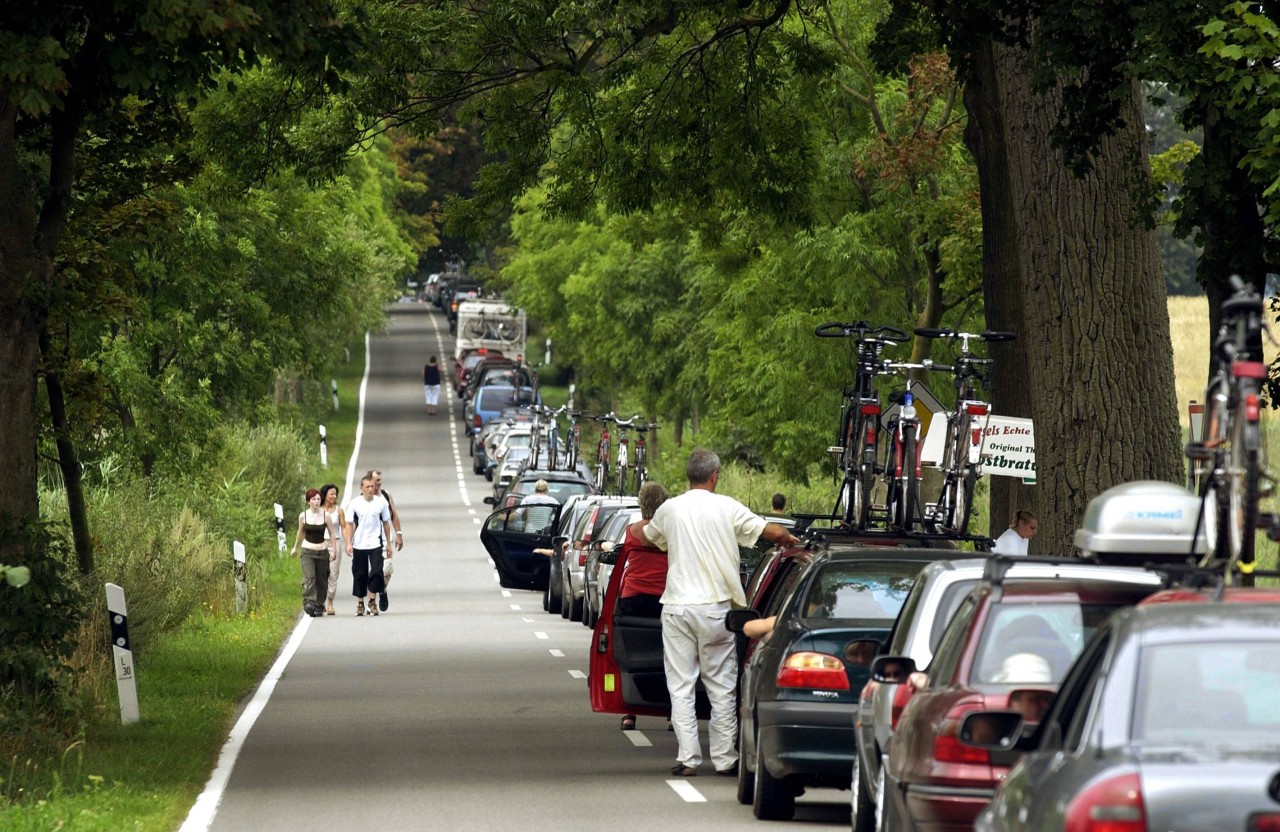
x=202 y=813
x=638 y=739
x=686 y=791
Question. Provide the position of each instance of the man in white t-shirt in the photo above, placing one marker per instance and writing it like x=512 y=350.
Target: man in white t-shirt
x=1015 y=538
x=368 y=533
x=701 y=532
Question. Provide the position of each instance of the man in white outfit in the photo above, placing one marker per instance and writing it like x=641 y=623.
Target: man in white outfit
x=1015 y=539
x=701 y=532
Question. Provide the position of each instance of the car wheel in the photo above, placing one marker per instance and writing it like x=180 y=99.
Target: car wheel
x=863 y=809
x=546 y=598
x=774 y=799
x=566 y=594
x=746 y=779
x=576 y=606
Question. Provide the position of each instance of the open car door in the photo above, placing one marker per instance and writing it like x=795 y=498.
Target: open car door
x=511 y=534
x=626 y=674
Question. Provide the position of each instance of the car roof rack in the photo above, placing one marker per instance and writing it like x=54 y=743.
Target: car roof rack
x=838 y=530
x=998 y=566
x=1195 y=577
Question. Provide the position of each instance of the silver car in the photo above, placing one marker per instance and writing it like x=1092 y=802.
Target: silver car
x=1169 y=720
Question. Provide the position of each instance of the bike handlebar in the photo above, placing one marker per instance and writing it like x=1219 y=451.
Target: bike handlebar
x=862 y=329
x=988 y=335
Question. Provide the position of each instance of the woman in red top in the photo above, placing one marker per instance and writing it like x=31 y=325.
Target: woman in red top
x=646 y=570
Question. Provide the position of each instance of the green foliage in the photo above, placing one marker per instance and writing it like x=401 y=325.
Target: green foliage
x=40 y=617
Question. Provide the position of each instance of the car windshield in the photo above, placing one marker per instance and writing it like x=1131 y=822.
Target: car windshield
x=561 y=490
x=1209 y=692
x=1034 y=644
x=518 y=440
x=865 y=591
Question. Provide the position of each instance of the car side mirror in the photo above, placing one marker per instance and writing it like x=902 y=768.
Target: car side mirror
x=489 y=501
x=735 y=620
x=892 y=670
x=992 y=730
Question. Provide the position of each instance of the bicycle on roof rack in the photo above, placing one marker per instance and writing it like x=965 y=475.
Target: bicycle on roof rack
x=857 y=448
x=624 y=453
x=573 y=444
x=966 y=431
x=902 y=467
x=1228 y=458
x=642 y=453
x=602 y=452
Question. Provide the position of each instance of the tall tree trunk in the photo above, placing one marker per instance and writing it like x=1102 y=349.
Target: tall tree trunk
x=68 y=462
x=1074 y=271
x=21 y=270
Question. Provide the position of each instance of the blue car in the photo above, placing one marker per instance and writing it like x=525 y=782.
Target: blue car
x=489 y=402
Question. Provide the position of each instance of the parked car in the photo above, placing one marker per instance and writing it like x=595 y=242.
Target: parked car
x=562 y=485
x=571 y=512
x=1168 y=720
x=574 y=561
x=511 y=536
x=489 y=404
x=514 y=461
x=942 y=586
x=493 y=368
x=465 y=364
x=1008 y=646
x=595 y=575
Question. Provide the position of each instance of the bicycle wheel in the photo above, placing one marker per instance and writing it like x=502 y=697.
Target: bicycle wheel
x=910 y=484
x=849 y=456
x=641 y=477
x=962 y=507
x=602 y=476
x=474 y=329
x=621 y=479
x=1242 y=492
x=892 y=484
x=507 y=331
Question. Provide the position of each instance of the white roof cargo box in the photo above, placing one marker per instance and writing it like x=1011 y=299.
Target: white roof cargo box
x=492 y=325
x=1138 y=522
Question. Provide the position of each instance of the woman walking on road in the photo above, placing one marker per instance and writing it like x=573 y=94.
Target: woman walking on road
x=309 y=544
x=646 y=571
x=333 y=519
x=431 y=384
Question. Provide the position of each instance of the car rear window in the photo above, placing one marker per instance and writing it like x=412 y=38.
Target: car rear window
x=1209 y=691
x=863 y=591
x=562 y=491
x=1036 y=643
x=496 y=398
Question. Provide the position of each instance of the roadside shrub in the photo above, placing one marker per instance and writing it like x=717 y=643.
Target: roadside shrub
x=40 y=618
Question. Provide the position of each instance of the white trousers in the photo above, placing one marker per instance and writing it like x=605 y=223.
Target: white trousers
x=334 y=567
x=696 y=645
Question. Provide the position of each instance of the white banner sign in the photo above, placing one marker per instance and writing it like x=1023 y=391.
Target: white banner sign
x=1009 y=448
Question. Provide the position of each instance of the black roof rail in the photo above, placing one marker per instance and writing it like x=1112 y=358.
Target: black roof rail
x=804 y=525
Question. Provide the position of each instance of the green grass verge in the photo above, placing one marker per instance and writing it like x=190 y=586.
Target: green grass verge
x=190 y=686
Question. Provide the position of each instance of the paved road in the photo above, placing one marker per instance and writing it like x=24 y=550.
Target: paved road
x=465 y=705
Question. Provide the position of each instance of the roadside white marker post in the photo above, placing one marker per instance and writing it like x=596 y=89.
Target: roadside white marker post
x=333 y=385
x=324 y=448
x=126 y=683
x=242 y=586
x=280 y=526
x=546 y=356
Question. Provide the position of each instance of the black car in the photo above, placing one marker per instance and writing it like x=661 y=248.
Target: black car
x=800 y=684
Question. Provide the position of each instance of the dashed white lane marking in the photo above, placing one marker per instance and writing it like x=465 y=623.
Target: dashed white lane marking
x=471 y=511
x=515 y=607
x=527 y=620
x=559 y=654
x=686 y=791
x=475 y=520
x=495 y=579
x=638 y=739
x=577 y=674
x=506 y=593
x=542 y=636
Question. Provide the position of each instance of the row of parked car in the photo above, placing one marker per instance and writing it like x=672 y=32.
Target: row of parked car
x=951 y=690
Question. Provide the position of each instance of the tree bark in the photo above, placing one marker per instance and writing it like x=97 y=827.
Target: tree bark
x=22 y=271
x=1070 y=266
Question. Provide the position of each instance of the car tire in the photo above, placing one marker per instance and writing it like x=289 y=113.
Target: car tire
x=746 y=779
x=566 y=595
x=555 y=598
x=862 y=806
x=576 y=607
x=546 y=597
x=772 y=799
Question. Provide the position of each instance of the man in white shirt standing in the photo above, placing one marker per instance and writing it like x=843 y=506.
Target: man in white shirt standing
x=368 y=533
x=1015 y=539
x=701 y=532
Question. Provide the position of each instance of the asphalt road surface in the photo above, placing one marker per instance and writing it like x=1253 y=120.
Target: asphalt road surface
x=464 y=706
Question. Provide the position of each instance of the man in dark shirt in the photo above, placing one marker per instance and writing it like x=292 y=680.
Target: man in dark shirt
x=431 y=384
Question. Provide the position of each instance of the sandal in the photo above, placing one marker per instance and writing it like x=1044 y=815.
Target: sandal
x=373 y=607
x=628 y=723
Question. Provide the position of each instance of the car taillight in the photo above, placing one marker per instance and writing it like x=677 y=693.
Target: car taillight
x=582 y=558
x=901 y=696
x=947 y=747
x=1110 y=805
x=813 y=671
x=479 y=422
x=1269 y=822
